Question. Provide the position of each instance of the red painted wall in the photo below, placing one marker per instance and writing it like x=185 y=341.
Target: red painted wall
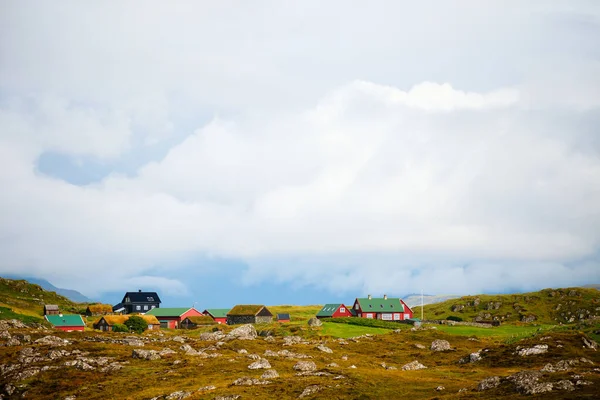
x=339 y=314
x=70 y=328
x=220 y=320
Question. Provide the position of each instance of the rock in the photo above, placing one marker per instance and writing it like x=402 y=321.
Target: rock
x=589 y=343
x=167 y=352
x=564 y=385
x=5 y=335
x=291 y=354
x=145 y=354
x=244 y=332
x=420 y=346
x=494 y=305
x=537 y=349
x=189 y=350
x=463 y=390
x=178 y=339
x=440 y=345
x=458 y=307
x=583 y=383
x=562 y=365
x=9 y=389
x=242 y=351
x=324 y=349
x=471 y=358
x=526 y=382
x=310 y=390
x=133 y=342
x=489 y=383
x=292 y=340
x=13 y=342
x=270 y=353
x=305 y=366
x=528 y=318
x=179 y=395
x=245 y=381
x=52 y=341
x=344 y=358
x=254 y=356
x=260 y=364
x=269 y=339
x=230 y=397
x=352 y=367
x=218 y=335
x=440 y=388
x=332 y=365
x=413 y=366
x=269 y=374
x=207 y=388
x=314 y=322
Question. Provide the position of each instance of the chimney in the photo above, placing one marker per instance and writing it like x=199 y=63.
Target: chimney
x=385 y=296
x=369 y=296
x=139 y=290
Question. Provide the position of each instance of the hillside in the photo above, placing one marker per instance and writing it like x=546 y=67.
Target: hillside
x=70 y=294
x=27 y=299
x=548 y=306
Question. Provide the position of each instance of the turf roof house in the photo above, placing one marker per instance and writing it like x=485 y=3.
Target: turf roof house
x=137 y=302
x=66 y=322
x=385 y=308
x=107 y=322
x=195 y=322
x=335 y=311
x=171 y=317
x=219 y=315
x=249 y=314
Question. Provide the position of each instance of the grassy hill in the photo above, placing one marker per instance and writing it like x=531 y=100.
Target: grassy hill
x=22 y=300
x=548 y=306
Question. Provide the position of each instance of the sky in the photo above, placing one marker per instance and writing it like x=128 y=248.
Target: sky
x=300 y=152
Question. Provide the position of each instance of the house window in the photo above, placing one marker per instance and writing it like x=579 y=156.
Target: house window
x=369 y=315
x=145 y=307
x=138 y=307
x=357 y=307
x=150 y=298
x=406 y=316
x=342 y=309
x=126 y=299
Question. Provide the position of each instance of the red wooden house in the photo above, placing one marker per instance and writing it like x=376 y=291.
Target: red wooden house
x=388 y=309
x=218 y=314
x=335 y=311
x=66 y=322
x=171 y=317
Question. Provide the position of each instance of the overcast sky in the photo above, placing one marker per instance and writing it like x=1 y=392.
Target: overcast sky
x=300 y=150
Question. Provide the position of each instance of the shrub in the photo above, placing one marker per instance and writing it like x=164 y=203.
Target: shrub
x=136 y=324
x=120 y=328
x=453 y=318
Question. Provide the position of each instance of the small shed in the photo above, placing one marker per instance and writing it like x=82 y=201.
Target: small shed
x=106 y=322
x=283 y=318
x=218 y=314
x=66 y=322
x=98 y=309
x=249 y=314
x=333 y=310
x=51 y=309
x=194 y=322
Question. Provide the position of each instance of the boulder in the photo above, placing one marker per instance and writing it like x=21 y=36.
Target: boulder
x=269 y=374
x=324 y=349
x=310 y=390
x=244 y=332
x=527 y=382
x=145 y=354
x=245 y=381
x=305 y=366
x=440 y=388
x=189 y=350
x=179 y=395
x=133 y=341
x=489 y=383
x=292 y=340
x=315 y=322
x=260 y=364
x=528 y=318
x=564 y=385
x=420 y=346
x=440 y=345
x=537 y=349
x=178 y=339
x=413 y=366
x=590 y=344
x=52 y=341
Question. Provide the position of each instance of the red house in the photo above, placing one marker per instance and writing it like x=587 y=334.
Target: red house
x=217 y=314
x=172 y=317
x=66 y=322
x=335 y=311
x=387 y=309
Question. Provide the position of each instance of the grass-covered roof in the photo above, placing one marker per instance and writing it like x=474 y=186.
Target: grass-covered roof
x=246 y=309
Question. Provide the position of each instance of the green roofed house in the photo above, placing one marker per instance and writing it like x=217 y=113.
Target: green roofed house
x=219 y=315
x=385 y=308
x=66 y=322
x=249 y=314
x=334 y=311
x=171 y=317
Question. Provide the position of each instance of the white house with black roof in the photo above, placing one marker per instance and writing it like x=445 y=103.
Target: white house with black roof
x=137 y=302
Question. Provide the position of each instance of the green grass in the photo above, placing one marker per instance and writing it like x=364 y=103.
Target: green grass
x=29 y=299
x=373 y=323
x=7 y=313
x=346 y=330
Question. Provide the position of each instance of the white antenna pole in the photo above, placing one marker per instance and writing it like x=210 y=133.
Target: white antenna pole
x=421 y=304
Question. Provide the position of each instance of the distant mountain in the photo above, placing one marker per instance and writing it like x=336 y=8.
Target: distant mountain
x=70 y=294
x=414 y=299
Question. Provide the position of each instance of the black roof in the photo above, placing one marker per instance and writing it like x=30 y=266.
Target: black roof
x=142 y=297
x=283 y=316
x=118 y=307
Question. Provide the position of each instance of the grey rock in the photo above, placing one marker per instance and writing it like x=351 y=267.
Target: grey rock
x=324 y=349
x=314 y=322
x=52 y=341
x=420 y=346
x=537 y=349
x=489 y=383
x=179 y=395
x=440 y=345
x=218 y=335
x=133 y=342
x=229 y=397
x=528 y=318
x=189 y=350
x=244 y=332
x=440 y=388
x=270 y=353
x=245 y=381
x=332 y=365
x=269 y=374
x=310 y=390
x=178 y=339
x=527 y=382
x=145 y=354
x=564 y=385
x=167 y=352
x=292 y=340
x=413 y=366
x=207 y=388
x=590 y=344
x=305 y=366
x=260 y=364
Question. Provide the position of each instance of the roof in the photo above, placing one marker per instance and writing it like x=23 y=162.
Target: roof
x=380 y=304
x=120 y=319
x=246 y=309
x=52 y=307
x=100 y=308
x=328 y=310
x=283 y=316
x=142 y=297
x=217 y=312
x=118 y=307
x=168 y=312
x=201 y=320
x=65 y=320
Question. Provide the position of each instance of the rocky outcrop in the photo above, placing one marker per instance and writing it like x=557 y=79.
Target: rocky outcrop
x=494 y=305
x=52 y=341
x=292 y=340
x=528 y=318
x=145 y=354
x=413 y=366
x=260 y=364
x=471 y=358
x=269 y=374
x=589 y=343
x=305 y=366
x=246 y=381
x=489 y=383
x=314 y=322
x=527 y=382
x=310 y=390
x=537 y=349
x=440 y=345
x=179 y=395
x=324 y=349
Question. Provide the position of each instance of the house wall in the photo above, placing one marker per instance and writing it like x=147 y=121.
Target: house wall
x=264 y=319
x=339 y=314
x=70 y=328
x=51 y=312
x=220 y=320
x=241 y=319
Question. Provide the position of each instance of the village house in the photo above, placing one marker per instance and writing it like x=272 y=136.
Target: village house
x=172 y=317
x=98 y=309
x=219 y=315
x=137 y=302
x=66 y=322
x=335 y=311
x=283 y=317
x=194 y=322
x=384 y=308
x=249 y=314
x=51 y=309
x=106 y=322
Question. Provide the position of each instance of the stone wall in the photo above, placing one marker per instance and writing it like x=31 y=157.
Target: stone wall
x=240 y=319
x=264 y=320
